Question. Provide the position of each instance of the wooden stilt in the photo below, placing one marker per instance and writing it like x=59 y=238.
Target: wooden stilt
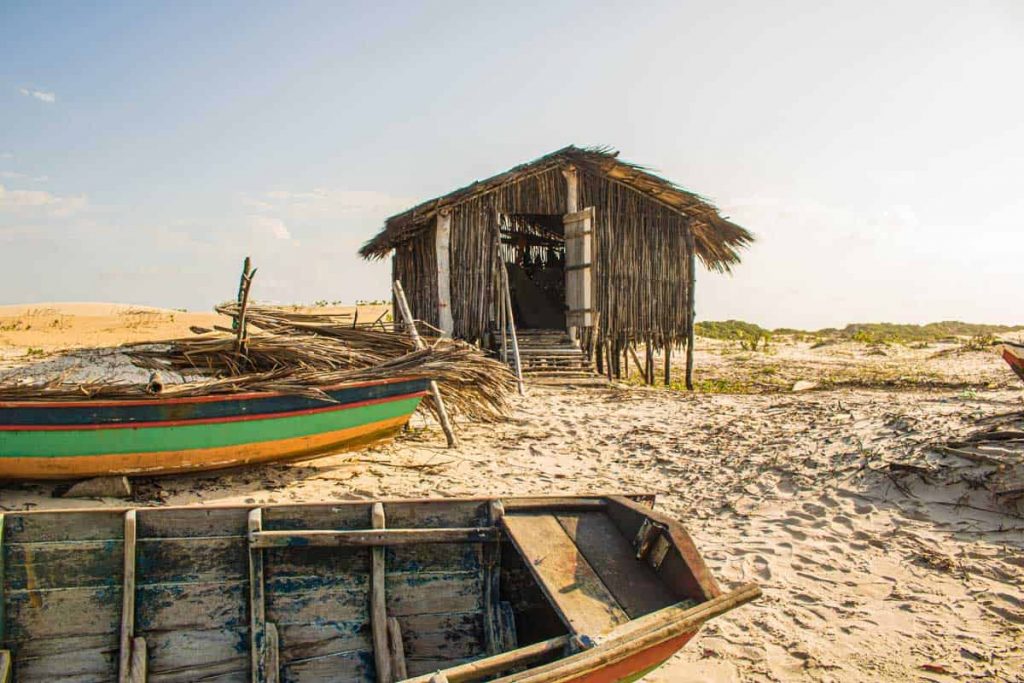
x=609 y=358
x=649 y=366
x=435 y=392
x=692 y=274
x=243 y=302
x=636 y=359
x=378 y=605
x=600 y=358
x=510 y=318
x=668 y=365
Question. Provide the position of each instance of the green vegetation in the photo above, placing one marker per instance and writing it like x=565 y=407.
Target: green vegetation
x=749 y=335
x=753 y=337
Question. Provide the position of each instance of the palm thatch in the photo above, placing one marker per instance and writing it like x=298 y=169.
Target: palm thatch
x=717 y=239
x=298 y=354
x=646 y=229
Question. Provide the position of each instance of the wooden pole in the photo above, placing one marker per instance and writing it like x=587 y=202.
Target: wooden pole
x=410 y=324
x=649 y=370
x=668 y=365
x=510 y=318
x=243 y=302
x=378 y=605
x=692 y=276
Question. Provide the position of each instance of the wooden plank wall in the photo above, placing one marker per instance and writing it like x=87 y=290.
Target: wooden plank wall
x=62 y=595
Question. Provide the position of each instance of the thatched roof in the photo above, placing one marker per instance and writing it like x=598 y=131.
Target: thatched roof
x=717 y=239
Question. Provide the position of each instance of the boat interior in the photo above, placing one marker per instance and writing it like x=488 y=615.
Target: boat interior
x=357 y=591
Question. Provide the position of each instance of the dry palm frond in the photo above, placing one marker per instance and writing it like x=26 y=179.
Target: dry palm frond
x=298 y=354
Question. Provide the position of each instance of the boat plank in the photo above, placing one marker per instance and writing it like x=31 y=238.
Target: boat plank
x=634 y=583
x=440 y=636
x=438 y=514
x=434 y=557
x=186 y=606
x=571 y=584
x=318 y=599
x=434 y=593
x=284 y=563
x=186 y=655
x=192 y=522
x=340 y=516
x=305 y=641
x=195 y=560
x=40 y=527
x=86 y=657
x=62 y=564
x=351 y=667
x=62 y=612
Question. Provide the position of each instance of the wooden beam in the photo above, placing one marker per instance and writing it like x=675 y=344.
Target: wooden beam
x=510 y=319
x=690 y=299
x=492 y=584
x=371 y=537
x=139 y=663
x=482 y=668
x=257 y=604
x=442 y=243
x=572 y=189
x=127 y=600
x=636 y=636
x=398 y=667
x=378 y=604
x=435 y=392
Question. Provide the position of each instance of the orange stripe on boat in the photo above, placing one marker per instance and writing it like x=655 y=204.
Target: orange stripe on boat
x=167 y=462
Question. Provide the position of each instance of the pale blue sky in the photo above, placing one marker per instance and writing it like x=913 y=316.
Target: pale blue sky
x=876 y=149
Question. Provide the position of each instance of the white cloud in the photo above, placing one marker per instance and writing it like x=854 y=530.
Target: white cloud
x=15 y=175
x=41 y=95
x=267 y=225
x=24 y=201
x=6 y=155
x=326 y=203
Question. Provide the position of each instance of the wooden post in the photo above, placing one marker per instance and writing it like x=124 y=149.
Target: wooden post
x=692 y=276
x=492 y=584
x=649 y=369
x=243 y=302
x=600 y=358
x=398 y=666
x=257 y=604
x=378 y=604
x=512 y=331
x=668 y=364
x=636 y=359
x=127 y=600
x=572 y=205
x=435 y=392
x=444 y=275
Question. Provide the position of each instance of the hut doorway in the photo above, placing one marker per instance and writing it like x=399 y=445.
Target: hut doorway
x=533 y=249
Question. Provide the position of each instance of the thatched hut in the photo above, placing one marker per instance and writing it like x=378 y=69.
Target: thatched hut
x=591 y=244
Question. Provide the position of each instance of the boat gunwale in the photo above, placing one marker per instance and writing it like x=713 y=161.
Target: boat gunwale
x=205 y=398
x=245 y=417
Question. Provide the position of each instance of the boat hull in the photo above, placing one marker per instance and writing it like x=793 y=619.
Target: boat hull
x=59 y=440
x=1014 y=357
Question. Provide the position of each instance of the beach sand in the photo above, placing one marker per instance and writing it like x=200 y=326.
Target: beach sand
x=869 y=573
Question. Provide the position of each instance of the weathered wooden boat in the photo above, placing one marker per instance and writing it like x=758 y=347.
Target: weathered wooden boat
x=1013 y=354
x=60 y=439
x=524 y=590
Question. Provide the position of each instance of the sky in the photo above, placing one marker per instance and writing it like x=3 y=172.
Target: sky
x=876 y=150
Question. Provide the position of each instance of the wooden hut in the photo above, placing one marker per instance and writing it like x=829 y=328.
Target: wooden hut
x=594 y=246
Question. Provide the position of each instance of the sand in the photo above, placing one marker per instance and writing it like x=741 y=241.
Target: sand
x=869 y=573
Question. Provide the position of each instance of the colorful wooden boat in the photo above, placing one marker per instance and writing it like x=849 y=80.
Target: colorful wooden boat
x=60 y=439
x=1013 y=354
x=516 y=590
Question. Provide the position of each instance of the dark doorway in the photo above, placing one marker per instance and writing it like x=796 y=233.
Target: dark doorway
x=533 y=248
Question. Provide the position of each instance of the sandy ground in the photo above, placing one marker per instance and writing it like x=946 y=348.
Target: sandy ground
x=868 y=574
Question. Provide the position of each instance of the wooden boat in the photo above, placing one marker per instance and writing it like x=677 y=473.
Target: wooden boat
x=59 y=439
x=523 y=590
x=1013 y=354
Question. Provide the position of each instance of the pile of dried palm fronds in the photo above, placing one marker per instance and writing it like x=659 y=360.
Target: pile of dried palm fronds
x=302 y=354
